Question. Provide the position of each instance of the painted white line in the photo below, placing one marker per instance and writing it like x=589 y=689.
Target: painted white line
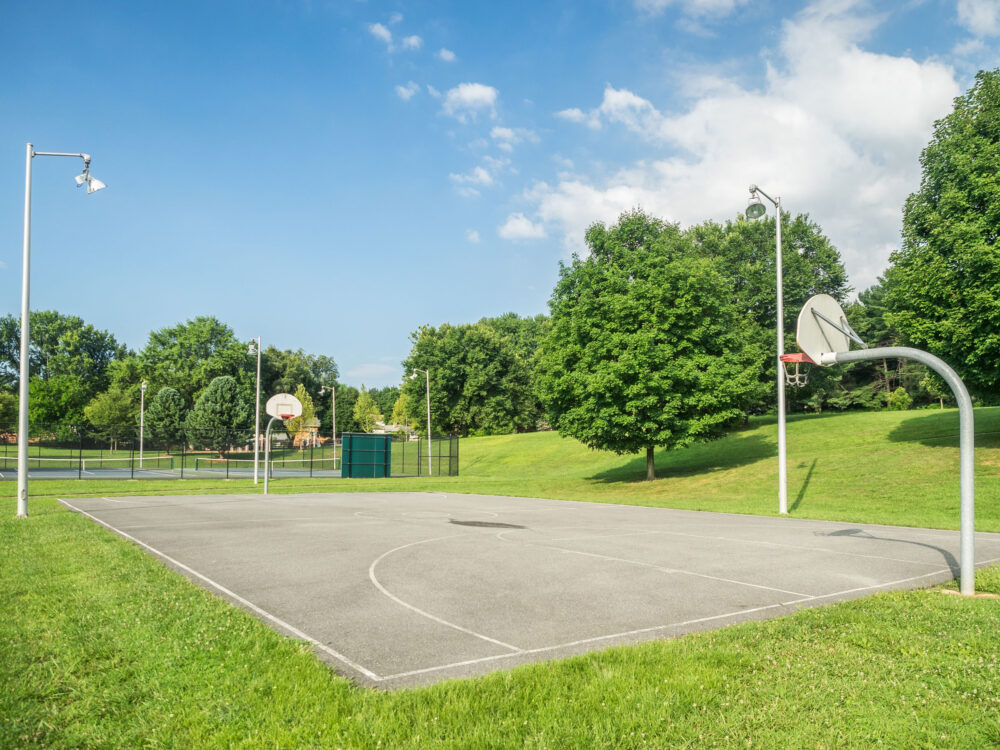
x=654 y=628
x=112 y=499
x=245 y=602
x=428 y=615
x=674 y=570
x=786 y=545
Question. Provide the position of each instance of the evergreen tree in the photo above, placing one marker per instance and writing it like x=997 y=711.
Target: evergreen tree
x=165 y=416
x=219 y=416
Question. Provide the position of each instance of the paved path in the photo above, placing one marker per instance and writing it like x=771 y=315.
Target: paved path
x=398 y=589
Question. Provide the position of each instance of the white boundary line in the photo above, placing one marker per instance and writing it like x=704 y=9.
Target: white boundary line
x=428 y=615
x=250 y=605
x=654 y=628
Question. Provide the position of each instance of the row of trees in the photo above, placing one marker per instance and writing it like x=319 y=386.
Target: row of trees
x=82 y=376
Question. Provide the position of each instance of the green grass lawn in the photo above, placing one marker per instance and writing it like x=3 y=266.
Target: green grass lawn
x=101 y=646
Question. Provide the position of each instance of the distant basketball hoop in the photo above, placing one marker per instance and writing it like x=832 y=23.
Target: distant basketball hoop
x=283 y=406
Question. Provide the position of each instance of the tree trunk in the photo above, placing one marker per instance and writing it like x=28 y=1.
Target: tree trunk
x=650 y=470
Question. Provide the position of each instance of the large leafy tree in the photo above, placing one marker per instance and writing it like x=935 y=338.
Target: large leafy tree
x=219 y=415
x=647 y=347
x=943 y=284
x=810 y=265
x=165 y=416
x=478 y=384
x=69 y=362
x=113 y=413
x=189 y=356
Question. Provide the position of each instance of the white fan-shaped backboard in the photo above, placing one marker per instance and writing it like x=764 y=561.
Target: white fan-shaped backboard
x=814 y=335
x=283 y=405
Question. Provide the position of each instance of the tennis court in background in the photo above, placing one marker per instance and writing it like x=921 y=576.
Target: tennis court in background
x=400 y=589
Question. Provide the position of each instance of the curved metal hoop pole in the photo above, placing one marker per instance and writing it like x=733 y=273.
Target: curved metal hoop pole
x=966 y=443
x=267 y=452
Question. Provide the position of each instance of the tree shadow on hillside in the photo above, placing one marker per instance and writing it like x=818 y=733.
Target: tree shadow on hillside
x=700 y=458
x=939 y=429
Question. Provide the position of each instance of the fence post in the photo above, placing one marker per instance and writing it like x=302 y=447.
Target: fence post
x=183 y=441
x=131 y=462
x=79 y=465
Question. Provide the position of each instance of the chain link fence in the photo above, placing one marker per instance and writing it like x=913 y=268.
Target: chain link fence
x=74 y=452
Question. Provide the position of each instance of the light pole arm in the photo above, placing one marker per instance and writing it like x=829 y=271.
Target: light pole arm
x=776 y=201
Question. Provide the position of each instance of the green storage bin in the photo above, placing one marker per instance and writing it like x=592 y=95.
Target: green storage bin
x=365 y=455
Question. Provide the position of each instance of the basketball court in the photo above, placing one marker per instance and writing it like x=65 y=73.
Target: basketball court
x=401 y=589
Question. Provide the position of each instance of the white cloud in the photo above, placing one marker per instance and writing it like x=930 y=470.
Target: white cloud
x=519 y=227
x=433 y=92
x=395 y=18
x=478 y=176
x=575 y=114
x=467 y=100
x=472 y=236
x=381 y=33
x=980 y=17
x=406 y=92
x=835 y=130
x=507 y=138
x=446 y=55
x=412 y=42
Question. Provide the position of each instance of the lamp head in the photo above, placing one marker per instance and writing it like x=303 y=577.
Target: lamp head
x=85 y=178
x=755 y=208
x=413 y=376
x=142 y=387
x=251 y=349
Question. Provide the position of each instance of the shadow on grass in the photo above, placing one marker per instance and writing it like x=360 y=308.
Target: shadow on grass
x=949 y=558
x=696 y=459
x=804 y=487
x=939 y=429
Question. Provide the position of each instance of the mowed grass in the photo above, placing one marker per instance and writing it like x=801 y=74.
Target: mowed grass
x=896 y=468
x=102 y=646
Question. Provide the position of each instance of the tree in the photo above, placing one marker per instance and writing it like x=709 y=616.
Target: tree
x=810 y=265
x=70 y=356
x=113 y=414
x=366 y=411
x=479 y=385
x=295 y=425
x=647 y=347
x=187 y=357
x=401 y=412
x=943 y=284
x=218 y=415
x=8 y=409
x=385 y=398
x=165 y=416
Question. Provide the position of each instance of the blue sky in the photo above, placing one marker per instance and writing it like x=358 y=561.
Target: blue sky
x=333 y=175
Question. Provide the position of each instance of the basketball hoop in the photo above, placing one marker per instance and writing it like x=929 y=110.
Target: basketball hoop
x=797 y=378
x=286 y=417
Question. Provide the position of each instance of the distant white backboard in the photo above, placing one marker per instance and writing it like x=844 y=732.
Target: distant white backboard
x=284 y=406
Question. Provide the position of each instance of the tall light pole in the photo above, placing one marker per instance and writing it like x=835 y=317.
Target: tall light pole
x=430 y=471
x=93 y=185
x=142 y=418
x=755 y=210
x=333 y=416
x=256 y=414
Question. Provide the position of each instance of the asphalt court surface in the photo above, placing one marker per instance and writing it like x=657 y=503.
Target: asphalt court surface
x=401 y=589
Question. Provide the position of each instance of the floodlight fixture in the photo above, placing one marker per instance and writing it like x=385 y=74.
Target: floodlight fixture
x=755 y=208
